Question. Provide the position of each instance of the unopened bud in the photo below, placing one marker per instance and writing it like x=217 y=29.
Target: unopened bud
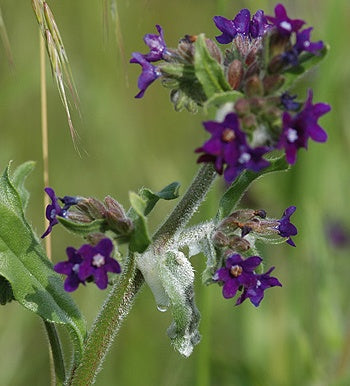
x=235 y=74
x=254 y=86
x=214 y=50
x=249 y=122
x=220 y=239
x=78 y=216
x=239 y=244
x=95 y=238
x=242 y=106
x=116 y=217
x=273 y=83
x=92 y=207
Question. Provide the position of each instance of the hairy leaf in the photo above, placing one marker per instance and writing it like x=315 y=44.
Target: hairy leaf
x=23 y=263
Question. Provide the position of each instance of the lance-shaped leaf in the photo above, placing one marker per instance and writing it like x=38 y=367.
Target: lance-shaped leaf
x=208 y=71
x=234 y=193
x=176 y=274
x=139 y=239
x=170 y=192
x=23 y=263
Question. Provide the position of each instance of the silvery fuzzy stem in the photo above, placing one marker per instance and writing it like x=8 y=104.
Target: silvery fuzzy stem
x=188 y=205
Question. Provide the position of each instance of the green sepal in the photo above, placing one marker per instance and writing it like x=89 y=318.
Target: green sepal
x=23 y=262
x=139 y=238
x=217 y=100
x=176 y=274
x=18 y=178
x=208 y=71
x=234 y=193
x=83 y=228
x=178 y=71
x=170 y=192
x=306 y=60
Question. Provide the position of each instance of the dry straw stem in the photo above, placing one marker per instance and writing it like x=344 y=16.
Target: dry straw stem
x=58 y=60
x=5 y=40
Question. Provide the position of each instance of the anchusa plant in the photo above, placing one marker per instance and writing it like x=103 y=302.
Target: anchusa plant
x=259 y=126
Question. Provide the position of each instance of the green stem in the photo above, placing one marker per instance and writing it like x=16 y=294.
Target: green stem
x=188 y=205
x=120 y=299
x=57 y=354
x=107 y=324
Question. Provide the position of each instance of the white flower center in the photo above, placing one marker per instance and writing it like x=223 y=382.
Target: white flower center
x=285 y=25
x=306 y=44
x=258 y=284
x=245 y=157
x=292 y=135
x=98 y=260
x=75 y=268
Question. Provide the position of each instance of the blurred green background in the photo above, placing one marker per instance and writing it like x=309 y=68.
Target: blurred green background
x=300 y=335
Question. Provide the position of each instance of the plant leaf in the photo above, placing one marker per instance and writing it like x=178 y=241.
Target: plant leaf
x=170 y=192
x=82 y=228
x=176 y=274
x=24 y=264
x=139 y=239
x=18 y=178
x=234 y=193
x=218 y=100
x=208 y=71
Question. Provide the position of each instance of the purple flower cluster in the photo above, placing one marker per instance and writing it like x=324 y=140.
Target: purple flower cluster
x=228 y=148
x=54 y=209
x=150 y=72
x=88 y=263
x=242 y=24
x=238 y=274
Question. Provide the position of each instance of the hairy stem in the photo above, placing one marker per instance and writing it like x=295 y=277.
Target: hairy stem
x=59 y=372
x=120 y=299
x=188 y=205
x=107 y=324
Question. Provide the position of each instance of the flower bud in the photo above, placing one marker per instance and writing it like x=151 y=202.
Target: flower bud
x=239 y=244
x=220 y=239
x=78 y=216
x=273 y=83
x=242 y=106
x=92 y=207
x=214 y=50
x=235 y=74
x=254 y=86
x=116 y=217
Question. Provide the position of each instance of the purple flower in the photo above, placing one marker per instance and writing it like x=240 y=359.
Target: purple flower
x=285 y=227
x=156 y=45
x=148 y=75
x=298 y=129
x=256 y=292
x=289 y=103
x=228 y=147
x=241 y=25
x=54 y=209
x=97 y=262
x=337 y=234
x=237 y=273
x=71 y=269
x=303 y=42
x=284 y=24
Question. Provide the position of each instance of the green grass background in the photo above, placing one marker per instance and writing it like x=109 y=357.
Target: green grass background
x=300 y=335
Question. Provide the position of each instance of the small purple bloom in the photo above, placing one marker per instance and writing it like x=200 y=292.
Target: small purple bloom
x=54 y=209
x=237 y=273
x=148 y=75
x=228 y=147
x=241 y=25
x=156 y=45
x=284 y=24
x=303 y=42
x=71 y=269
x=256 y=292
x=289 y=103
x=298 y=129
x=285 y=227
x=337 y=234
x=97 y=262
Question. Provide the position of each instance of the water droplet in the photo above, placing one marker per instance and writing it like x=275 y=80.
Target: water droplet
x=162 y=308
